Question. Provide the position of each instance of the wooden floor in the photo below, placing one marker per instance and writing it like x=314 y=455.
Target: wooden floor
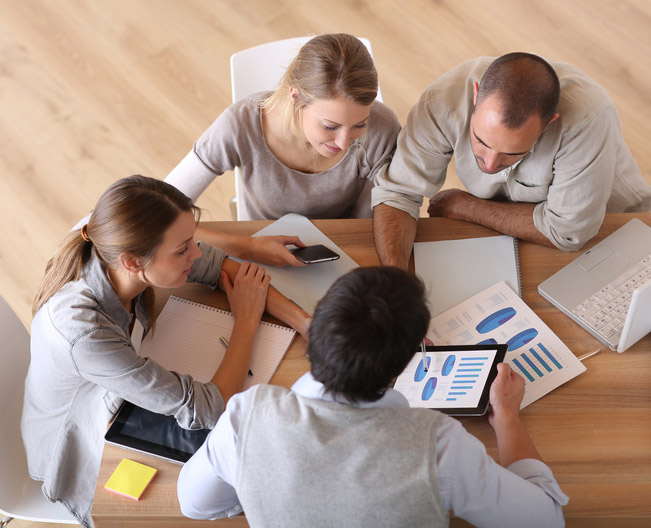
x=94 y=90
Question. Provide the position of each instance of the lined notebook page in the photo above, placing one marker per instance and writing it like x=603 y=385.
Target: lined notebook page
x=186 y=340
x=454 y=270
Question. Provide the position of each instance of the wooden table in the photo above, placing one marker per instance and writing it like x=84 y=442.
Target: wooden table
x=594 y=431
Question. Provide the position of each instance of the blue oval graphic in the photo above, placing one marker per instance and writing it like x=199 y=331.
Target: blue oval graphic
x=489 y=341
x=448 y=365
x=521 y=339
x=428 y=390
x=420 y=373
x=495 y=319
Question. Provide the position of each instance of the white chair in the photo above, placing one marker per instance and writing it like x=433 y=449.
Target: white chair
x=260 y=68
x=20 y=496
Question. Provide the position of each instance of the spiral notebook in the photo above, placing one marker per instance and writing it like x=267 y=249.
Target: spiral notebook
x=187 y=340
x=454 y=270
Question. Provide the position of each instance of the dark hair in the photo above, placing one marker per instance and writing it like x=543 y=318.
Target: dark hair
x=131 y=217
x=365 y=330
x=525 y=84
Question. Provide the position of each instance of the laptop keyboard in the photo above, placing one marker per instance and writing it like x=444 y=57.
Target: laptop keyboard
x=606 y=310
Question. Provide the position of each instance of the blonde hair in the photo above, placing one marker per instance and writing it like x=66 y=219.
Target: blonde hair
x=131 y=218
x=326 y=67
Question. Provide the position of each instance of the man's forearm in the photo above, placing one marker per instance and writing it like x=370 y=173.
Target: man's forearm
x=394 y=232
x=510 y=218
x=513 y=441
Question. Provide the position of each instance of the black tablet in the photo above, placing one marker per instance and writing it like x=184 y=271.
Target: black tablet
x=452 y=379
x=155 y=434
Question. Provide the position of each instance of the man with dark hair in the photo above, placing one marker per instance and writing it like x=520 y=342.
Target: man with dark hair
x=537 y=145
x=341 y=448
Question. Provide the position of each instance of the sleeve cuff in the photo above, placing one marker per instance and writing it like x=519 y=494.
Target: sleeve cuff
x=539 y=473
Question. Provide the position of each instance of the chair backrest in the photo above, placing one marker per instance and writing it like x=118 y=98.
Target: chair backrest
x=20 y=496
x=260 y=68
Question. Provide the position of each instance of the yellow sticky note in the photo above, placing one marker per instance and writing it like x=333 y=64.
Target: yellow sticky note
x=130 y=479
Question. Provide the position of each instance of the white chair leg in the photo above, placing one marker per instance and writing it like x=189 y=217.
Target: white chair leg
x=233 y=207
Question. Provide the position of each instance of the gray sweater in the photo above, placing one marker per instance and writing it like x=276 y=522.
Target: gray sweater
x=268 y=188
x=309 y=462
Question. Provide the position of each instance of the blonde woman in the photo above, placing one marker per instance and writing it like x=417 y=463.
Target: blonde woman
x=313 y=146
x=83 y=362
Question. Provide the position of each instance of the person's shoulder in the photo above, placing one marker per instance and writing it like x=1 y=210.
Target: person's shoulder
x=452 y=92
x=417 y=418
x=72 y=312
x=260 y=393
x=247 y=107
x=383 y=118
x=581 y=96
x=464 y=73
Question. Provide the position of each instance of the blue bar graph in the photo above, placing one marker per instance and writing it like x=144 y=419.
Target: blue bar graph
x=522 y=369
x=548 y=354
x=531 y=364
x=540 y=360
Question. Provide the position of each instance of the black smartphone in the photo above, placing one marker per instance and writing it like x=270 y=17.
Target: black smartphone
x=313 y=254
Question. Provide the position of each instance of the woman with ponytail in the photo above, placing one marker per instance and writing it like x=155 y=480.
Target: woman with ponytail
x=83 y=362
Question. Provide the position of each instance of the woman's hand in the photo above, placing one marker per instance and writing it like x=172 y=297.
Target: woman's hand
x=271 y=250
x=248 y=294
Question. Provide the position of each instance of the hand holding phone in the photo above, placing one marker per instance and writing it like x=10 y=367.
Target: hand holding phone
x=314 y=254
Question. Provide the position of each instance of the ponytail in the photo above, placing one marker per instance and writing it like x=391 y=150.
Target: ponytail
x=130 y=218
x=65 y=266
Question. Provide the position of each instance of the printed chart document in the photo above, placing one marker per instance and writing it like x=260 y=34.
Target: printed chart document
x=454 y=270
x=307 y=284
x=498 y=315
x=186 y=340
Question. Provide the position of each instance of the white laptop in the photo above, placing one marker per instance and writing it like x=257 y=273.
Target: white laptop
x=607 y=290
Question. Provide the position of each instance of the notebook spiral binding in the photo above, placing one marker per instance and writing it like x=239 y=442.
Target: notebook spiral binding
x=226 y=312
x=518 y=269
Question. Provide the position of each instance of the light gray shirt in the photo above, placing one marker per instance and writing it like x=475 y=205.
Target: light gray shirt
x=579 y=169
x=268 y=189
x=452 y=467
x=83 y=364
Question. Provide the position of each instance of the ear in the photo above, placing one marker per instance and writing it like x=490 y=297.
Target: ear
x=475 y=91
x=554 y=118
x=130 y=263
x=293 y=94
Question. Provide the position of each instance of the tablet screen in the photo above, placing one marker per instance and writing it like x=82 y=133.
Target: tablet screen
x=154 y=434
x=457 y=380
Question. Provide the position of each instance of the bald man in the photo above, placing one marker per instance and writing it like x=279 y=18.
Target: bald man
x=537 y=145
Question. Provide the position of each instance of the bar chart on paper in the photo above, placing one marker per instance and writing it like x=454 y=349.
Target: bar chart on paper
x=498 y=315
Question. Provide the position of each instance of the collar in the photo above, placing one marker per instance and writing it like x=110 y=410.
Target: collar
x=308 y=387
x=97 y=280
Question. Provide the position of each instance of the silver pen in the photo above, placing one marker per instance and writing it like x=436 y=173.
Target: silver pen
x=424 y=355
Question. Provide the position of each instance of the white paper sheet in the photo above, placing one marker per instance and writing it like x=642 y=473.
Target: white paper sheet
x=306 y=285
x=498 y=315
x=186 y=340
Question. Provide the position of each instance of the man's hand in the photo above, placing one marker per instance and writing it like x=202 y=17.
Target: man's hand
x=510 y=218
x=513 y=442
x=506 y=395
x=444 y=202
